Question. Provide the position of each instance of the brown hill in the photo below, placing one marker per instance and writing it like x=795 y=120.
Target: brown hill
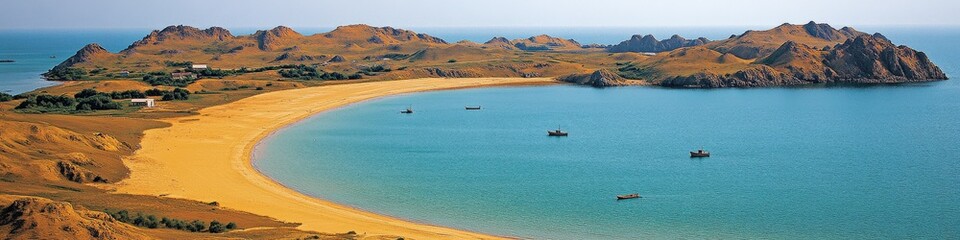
x=364 y=34
x=545 y=42
x=275 y=38
x=756 y=44
x=181 y=33
x=41 y=218
x=90 y=52
x=599 y=78
x=649 y=43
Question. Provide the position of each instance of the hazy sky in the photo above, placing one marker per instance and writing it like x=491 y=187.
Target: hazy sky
x=32 y=14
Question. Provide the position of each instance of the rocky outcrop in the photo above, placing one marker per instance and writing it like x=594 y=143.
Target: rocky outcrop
x=599 y=78
x=85 y=54
x=181 y=32
x=649 y=43
x=300 y=57
x=450 y=73
x=380 y=35
x=275 y=38
x=337 y=59
x=871 y=59
x=545 y=42
x=500 y=42
x=864 y=59
x=77 y=173
x=41 y=218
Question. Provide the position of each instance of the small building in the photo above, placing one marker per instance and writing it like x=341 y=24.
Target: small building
x=198 y=66
x=124 y=73
x=183 y=75
x=146 y=102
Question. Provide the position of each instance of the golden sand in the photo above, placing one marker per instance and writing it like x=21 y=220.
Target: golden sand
x=206 y=157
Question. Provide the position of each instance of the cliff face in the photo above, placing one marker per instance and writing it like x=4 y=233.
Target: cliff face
x=864 y=59
x=599 y=78
x=649 y=43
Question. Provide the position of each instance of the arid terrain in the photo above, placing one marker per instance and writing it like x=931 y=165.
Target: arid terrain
x=64 y=149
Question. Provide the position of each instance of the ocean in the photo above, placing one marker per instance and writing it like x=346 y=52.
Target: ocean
x=788 y=163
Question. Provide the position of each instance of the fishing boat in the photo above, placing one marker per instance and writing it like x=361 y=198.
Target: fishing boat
x=53 y=56
x=556 y=133
x=472 y=108
x=409 y=110
x=6 y=60
x=628 y=196
x=700 y=153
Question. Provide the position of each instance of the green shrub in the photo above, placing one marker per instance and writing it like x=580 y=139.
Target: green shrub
x=45 y=103
x=97 y=102
x=5 y=97
x=176 y=94
x=66 y=74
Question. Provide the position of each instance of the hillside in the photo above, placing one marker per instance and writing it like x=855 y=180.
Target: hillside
x=784 y=55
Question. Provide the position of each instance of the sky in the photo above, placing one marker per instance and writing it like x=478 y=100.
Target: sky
x=100 y=14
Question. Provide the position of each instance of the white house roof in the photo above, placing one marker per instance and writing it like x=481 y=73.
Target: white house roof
x=141 y=100
x=199 y=66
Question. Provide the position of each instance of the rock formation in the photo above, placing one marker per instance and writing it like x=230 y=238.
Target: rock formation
x=41 y=218
x=599 y=78
x=649 y=43
x=85 y=54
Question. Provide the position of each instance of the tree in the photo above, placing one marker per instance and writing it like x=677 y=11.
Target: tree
x=97 y=102
x=5 y=97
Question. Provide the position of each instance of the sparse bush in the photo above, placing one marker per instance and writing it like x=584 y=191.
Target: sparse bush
x=452 y=61
x=97 y=102
x=66 y=74
x=5 y=97
x=47 y=103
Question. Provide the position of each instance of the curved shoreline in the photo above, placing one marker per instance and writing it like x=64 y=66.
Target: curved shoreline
x=207 y=157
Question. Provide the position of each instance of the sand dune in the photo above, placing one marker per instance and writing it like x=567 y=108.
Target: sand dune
x=206 y=157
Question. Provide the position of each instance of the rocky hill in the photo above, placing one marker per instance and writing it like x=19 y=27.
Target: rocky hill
x=41 y=218
x=649 y=43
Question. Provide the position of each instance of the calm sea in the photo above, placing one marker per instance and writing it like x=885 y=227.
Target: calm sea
x=791 y=163
x=788 y=163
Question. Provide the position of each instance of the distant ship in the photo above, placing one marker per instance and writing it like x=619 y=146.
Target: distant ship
x=53 y=56
x=557 y=133
x=628 y=196
x=408 y=110
x=472 y=108
x=700 y=153
x=6 y=60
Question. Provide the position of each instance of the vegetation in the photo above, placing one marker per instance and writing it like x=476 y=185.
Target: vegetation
x=69 y=74
x=162 y=78
x=305 y=72
x=452 y=61
x=373 y=70
x=178 y=64
x=5 y=97
x=176 y=94
x=97 y=102
x=151 y=221
x=47 y=103
x=631 y=71
x=112 y=95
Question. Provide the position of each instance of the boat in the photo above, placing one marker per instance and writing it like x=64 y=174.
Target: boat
x=700 y=153
x=628 y=196
x=472 y=108
x=53 y=56
x=557 y=133
x=408 y=110
x=6 y=60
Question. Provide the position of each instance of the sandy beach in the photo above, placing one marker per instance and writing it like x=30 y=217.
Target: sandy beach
x=206 y=157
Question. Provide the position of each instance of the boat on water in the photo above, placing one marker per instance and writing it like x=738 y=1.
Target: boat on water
x=408 y=110
x=628 y=196
x=53 y=56
x=700 y=153
x=472 y=108
x=6 y=60
x=556 y=133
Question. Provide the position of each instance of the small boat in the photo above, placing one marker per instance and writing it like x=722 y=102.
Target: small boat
x=472 y=108
x=557 y=133
x=700 y=153
x=53 y=56
x=408 y=110
x=628 y=196
x=6 y=60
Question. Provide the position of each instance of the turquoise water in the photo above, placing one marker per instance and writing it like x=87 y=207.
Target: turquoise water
x=789 y=163
x=32 y=51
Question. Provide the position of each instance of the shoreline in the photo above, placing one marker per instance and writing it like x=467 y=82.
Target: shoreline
x=216 y=163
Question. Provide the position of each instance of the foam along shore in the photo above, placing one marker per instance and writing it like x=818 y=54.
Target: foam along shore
x=206 y=157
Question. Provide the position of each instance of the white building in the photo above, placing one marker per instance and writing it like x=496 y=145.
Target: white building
x=198 y=66
x=146 y=102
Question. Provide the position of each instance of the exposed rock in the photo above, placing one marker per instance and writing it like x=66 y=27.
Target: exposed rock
x=760 y=76
x=450 y=73
x=500 y=42
x=275 y=38
x=649 y=43
x=544 y=42
x=380 y=35
x=181 y=32
x=78 y=174
x=295 y=57
x=41 y=218
x=870 y=59
x=822 y=30
x=337 y=59
x=599 y=78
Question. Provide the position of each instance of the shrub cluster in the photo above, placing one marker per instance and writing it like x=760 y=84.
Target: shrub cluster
x=5 y=97
x=305 y=72
x=166 y=80
x=47 y=103
x=66 y=74
x=151 y=221
x=97 y=102
x=176 y=94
